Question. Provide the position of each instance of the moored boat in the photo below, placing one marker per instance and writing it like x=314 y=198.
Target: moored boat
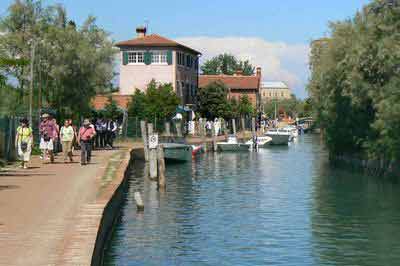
x=279 y=136
x=262 y=141
x=177 y=152
x=232 y=144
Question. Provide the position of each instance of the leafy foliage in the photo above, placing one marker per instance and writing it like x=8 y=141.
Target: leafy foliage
x=213 y=101
x=355 y=84
x=245 y=108
x=226 y=64
x=71 y=63
x=111 y=110
x=159 y=101
x=292 y=107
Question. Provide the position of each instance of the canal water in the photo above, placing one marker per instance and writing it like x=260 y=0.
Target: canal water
x=279 y=206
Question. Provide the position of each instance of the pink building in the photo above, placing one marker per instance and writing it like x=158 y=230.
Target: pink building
x=148 y=57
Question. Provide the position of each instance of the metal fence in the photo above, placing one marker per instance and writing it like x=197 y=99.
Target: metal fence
x=195 y=128
x=8 y=126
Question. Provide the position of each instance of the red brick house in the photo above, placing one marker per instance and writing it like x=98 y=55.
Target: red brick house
x=237 y=84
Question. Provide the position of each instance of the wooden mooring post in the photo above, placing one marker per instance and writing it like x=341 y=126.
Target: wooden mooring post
x=254 y=133
x=243 y=124
x=167 y=129
x=234 y=126
x=144 y=137
x=161 y=168
x=139 y=201
x=178 y=126
x=152 y=154
x=214 y=136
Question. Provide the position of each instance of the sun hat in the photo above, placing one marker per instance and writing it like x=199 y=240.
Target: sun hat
x=86 y=122
x=45 y=115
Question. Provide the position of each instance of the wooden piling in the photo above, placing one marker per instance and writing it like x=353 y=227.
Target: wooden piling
x=161 y=167
x=178 y=126
x=243 y=124
x=234 y=126
x=152 y=155
x=167 y=129
x=253 y=126
x=145 y=140
x=139 y=201
x=214 y=136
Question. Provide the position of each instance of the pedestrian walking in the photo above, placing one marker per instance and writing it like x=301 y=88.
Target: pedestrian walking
x=111 y=128
x=24 y=142
x=47 y=135
x=100 y=133
x=56 y=140
x=67 y=135
x=85 y=137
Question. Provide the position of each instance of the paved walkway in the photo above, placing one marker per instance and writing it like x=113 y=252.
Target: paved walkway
x=46 y=210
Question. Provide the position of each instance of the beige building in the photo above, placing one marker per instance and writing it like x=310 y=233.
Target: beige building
x=148 y=57
x=274 y=90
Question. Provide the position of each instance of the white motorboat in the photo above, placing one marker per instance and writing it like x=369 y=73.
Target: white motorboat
x=279 y=136
x=261 y=141
x=293 y=130
x=232 y=144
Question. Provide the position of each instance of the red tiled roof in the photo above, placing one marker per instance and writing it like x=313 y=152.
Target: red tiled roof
x=100 y=101
x=154 y=40
x=232 y=82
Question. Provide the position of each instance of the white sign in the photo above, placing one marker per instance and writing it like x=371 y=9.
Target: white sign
x=153 y=141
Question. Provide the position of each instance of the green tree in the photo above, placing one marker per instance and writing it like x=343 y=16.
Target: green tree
x=71 y=63
x=226 y=64
x=213 y=101
x=111 y=110
x=137 y=106
x=245 y=108
x=355 y=84
x=159 y=101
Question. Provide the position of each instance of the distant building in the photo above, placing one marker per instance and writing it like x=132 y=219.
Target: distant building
x=237 y=84
x=148 y=57
x=274 y=90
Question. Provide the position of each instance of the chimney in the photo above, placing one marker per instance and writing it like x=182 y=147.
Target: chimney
x=258 y=71
x=141 y=31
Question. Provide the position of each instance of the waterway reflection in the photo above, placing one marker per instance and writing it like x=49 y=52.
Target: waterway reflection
x=279 y=206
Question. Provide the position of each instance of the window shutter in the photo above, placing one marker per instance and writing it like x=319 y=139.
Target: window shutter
x=147 y=58
x=169 y=57
x=124 y=58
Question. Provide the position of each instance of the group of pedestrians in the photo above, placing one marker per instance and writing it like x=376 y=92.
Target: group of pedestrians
x=99 y=134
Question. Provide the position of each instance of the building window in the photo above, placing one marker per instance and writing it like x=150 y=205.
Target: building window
x=282 y=94
x=159 y=57
x=181 y=58
x=189 y=61
x=135 y=57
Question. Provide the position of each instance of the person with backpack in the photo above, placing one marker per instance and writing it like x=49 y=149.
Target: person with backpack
x=85 y=137
x=24 y=142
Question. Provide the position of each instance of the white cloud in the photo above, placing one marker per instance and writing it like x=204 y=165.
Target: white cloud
x=279 y=60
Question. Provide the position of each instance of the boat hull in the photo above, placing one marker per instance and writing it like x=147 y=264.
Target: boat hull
x=233 y=146
x=279 y=139
x=177 y=153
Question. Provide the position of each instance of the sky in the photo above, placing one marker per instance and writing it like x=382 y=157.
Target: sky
x=274 y=35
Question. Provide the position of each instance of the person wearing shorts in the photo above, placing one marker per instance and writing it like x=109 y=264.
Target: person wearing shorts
x=47 y=135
